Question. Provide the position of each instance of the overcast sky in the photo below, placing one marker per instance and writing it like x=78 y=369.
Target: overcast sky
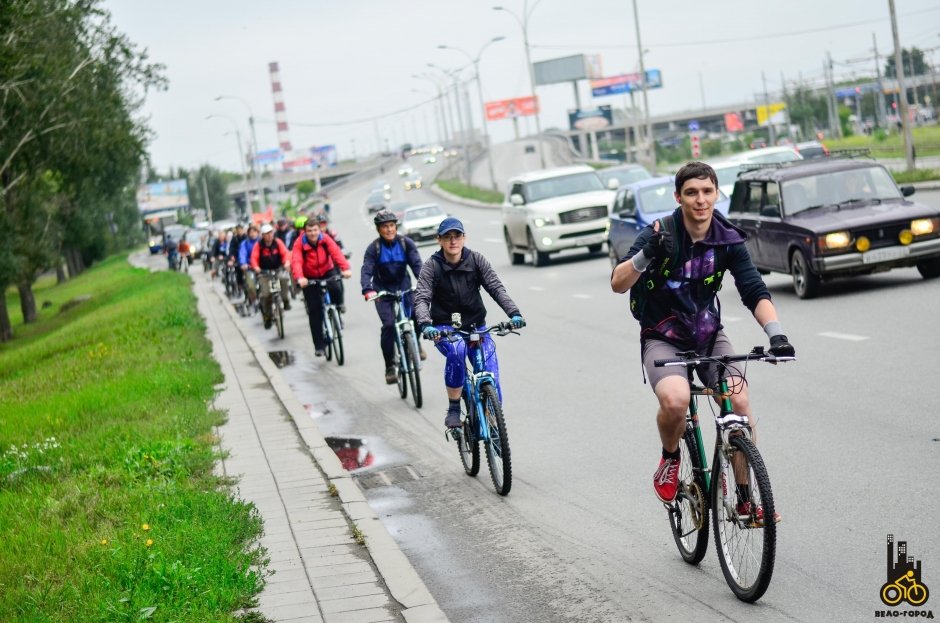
x=346 y=60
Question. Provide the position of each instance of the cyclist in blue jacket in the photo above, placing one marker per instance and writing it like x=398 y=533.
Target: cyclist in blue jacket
x=449 y=283
x=244 y=262
x=385 y=267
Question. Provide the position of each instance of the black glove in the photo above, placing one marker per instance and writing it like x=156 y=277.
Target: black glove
x=659 y=245
x=780 y=347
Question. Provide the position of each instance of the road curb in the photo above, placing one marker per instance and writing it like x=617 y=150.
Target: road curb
x=443 y=194
x=403 y=582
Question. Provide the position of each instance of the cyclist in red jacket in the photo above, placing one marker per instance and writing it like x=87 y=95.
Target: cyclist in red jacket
x=316 y=256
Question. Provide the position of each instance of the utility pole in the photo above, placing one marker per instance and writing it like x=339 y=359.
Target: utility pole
x=835 y=127
x=651 y=142
x=880 y=99
x=701 y=89
x=786 y=101
x=902 y=101
x=205 y=194
x=770 y=123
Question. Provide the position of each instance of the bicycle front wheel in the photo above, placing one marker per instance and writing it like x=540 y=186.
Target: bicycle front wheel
x=743 y=518
x=278 y=316
x=337 y=336
x=467 y=442
x=497 y=446
x=688 y=514
x=327 y=338
x=414 y=378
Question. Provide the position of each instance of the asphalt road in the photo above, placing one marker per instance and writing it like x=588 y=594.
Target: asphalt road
x=850 y=434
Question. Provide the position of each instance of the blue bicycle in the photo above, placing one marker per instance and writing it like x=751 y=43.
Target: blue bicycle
x=408 y=356
x=480 y=397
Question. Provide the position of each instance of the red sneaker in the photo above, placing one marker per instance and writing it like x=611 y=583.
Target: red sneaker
x=744 y=508
x=666 y=480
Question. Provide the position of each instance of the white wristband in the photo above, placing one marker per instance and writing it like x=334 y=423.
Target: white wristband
x=640 y=261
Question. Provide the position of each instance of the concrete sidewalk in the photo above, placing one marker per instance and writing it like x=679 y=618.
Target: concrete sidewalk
x=311 y=507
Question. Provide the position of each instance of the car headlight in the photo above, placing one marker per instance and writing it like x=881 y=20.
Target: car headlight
x=542 y=221
x=836 y=240
x=925 y=226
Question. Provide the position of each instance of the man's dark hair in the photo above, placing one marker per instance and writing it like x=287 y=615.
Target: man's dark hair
x=695 y=170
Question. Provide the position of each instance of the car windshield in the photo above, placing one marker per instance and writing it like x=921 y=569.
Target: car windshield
x=624 y=176
x=727 y=175
x=564 y=185
x=869 y=184
x=425 y=212
x=658 y=198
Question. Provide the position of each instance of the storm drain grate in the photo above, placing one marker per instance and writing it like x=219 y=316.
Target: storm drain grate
x=386 y=477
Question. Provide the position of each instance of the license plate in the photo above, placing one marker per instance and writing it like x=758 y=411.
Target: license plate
x=591 y=239
x=884 y=255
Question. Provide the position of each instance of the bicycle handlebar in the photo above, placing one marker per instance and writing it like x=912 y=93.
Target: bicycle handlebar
x=501 y=329
x=691 y=358
x=390 y=294
x=323 y=282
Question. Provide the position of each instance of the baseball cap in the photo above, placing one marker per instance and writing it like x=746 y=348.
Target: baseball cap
x=450 y=224
x=266 y=228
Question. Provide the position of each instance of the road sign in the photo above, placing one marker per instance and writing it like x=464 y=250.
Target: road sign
x=693 y=126
x=694 y=140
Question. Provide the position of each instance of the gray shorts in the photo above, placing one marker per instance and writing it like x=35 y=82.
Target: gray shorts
x=657 y=349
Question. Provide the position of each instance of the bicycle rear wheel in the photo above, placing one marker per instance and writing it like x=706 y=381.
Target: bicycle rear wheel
x=467 y=443
x=414 y=378
x=337 y=336
x=746 y=543
x=497 y=446
x=688 y=514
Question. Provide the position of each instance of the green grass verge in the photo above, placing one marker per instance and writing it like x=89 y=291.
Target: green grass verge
x=926 y=141
x=109 y=510
x=456 y=187
x=917 y=175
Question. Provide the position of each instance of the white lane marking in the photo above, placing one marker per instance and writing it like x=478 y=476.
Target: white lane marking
x=537 y=288
x=731 y=319
x=581 y=296
x=492 y=240
x=496 y=222
x=843 y=336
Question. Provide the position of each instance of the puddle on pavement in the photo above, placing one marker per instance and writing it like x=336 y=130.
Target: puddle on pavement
x=281 y=358
x=353 y=452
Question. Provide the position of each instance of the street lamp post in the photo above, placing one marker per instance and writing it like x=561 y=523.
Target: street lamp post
x=476 y=70
x=241 y=156
x=254 y=145
x=453 y=75
x=443 y=111
x=651 y=142
x=427 y=130
x=524 y=24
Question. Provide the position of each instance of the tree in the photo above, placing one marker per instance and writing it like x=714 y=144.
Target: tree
x=914 y=64
x=304 y=190
x=70 y=145
x=808 y=110
x=219 y=200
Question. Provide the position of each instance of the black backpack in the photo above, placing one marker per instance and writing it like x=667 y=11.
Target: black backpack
x=655 y=276
x=401 y=241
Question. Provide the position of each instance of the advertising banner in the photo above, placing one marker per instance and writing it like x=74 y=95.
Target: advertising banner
x=626 y=83
x=591 y=119
x=777 y=116
x=168 y=196
x=324 y=156
x=733 y=122
x=268 y=157
x=509 y=109
x=567 y=69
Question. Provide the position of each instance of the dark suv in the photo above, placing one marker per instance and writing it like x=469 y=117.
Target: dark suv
x=828 y=218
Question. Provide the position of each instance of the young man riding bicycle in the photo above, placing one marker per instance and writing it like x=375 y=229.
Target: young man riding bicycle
x=316 y=257
x=270 y=254
x=385 y=267
x=675 y=270
x=449 y=283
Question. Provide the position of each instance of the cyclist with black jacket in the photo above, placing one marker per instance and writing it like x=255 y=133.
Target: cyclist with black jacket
x=677 y=276
x=449 y=283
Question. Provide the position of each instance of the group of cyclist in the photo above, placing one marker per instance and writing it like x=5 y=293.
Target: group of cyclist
x=678 y=262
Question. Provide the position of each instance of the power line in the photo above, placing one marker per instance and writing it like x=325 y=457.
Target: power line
x=676 y=44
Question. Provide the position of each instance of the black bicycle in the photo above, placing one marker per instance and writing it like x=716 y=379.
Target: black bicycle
x=332 y=322
x=277 y=307
x=406 y=342
x=737 y=491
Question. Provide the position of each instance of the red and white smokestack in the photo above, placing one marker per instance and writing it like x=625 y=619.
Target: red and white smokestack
x=280 y=113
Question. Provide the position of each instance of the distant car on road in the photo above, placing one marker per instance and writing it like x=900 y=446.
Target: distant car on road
x=376 y=201
x=833 y=217
x=413 y=182
x=639 y=204
x=420 y=222
x=405 y=171
x=615 y=177
x=430 y=159
x=551 y=210
x=530 y=149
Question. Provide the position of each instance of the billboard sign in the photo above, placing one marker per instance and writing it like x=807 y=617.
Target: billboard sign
x=591 y=119
x=567 y=69
x=512 y=108
x=733 y=122
x=160 y=197
x=626 y=83
x=268 y=157
x=777 y=116
x=324 y=156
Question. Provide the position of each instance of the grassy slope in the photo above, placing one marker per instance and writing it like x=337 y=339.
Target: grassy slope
x=107 y=408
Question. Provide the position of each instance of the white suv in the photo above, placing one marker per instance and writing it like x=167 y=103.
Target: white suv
x=555 y=209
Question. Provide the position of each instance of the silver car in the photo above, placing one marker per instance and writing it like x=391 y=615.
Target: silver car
x=420 y=222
